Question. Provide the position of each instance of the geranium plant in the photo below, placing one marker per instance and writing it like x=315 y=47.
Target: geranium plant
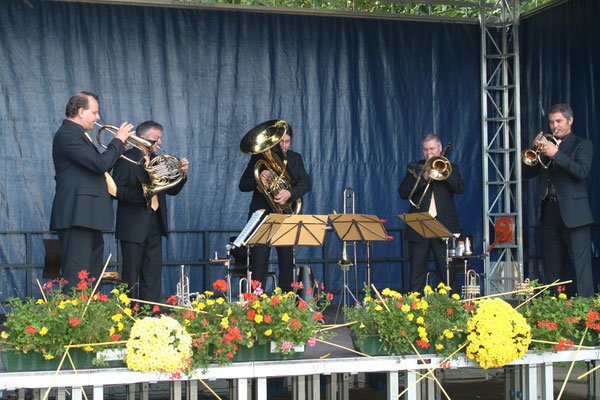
x=46 y=325
x=558 y=322
x=220 y=328
x=404 y=323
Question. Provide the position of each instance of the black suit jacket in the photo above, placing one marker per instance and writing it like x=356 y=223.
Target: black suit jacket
x=295 y=167
x=444 y=197
x=133 y=213
x=82 y=197
x=570 y=169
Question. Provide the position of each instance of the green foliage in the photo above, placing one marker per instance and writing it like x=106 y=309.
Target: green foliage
x=48 y=324
x=220 y=328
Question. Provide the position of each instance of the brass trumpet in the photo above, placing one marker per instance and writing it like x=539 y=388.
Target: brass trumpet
x=533 y=156
x=438 y=168
x=143 y=145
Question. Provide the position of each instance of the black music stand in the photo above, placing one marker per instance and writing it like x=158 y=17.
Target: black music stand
x=360 y=227
x=430 y=228
x=300 y=230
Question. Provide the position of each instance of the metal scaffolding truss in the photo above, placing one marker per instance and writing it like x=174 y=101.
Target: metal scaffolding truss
x=501 y=138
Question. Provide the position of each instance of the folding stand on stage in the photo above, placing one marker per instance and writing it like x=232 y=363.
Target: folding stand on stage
x=430 y=228
x=300 y=230
x=251 y=226
x=360 y=227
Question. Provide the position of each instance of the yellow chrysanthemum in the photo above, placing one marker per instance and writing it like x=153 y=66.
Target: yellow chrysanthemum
x=285 y=317
x=48 y=357
x=88 y=349
x=378 y=308
x=410 y=317
x=124 y=299
x=258 y=318
x=40 y=301
x=405 y=308
x=269 y=332
x=220 y=300
x=43 y=331
x=117 y=317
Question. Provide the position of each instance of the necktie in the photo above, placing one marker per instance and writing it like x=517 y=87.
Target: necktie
x=110 y=183
x=432 y=208
x=154 y=203
x=153 y=199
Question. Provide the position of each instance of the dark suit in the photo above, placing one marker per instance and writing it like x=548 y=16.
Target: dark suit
x=565 y=213
x=419 y=248
x=139 y=228
x=259 y=255
x=82 y=206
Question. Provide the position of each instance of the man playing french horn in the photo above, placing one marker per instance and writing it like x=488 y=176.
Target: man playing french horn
x=142 y=215
x=281 y=200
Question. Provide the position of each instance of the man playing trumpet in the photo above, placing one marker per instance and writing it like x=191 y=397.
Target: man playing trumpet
x=82 y=206
x=564 y=208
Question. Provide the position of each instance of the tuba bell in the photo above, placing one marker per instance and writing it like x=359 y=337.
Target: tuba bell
x=261 y=139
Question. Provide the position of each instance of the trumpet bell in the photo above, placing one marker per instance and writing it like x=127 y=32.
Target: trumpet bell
x=529 y=157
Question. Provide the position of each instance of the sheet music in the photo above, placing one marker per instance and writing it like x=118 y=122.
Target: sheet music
x=249 y=228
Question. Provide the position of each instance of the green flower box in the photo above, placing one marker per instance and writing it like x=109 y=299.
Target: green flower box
x=264 y=352
x=370 y=345
x=15 y=360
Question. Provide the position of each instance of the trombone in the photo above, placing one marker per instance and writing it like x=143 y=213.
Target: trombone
x=533 y=156
x=438 y=168
x=145 y=146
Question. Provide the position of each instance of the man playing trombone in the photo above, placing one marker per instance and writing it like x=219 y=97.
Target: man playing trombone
x=82 y=206
x=564 y=207
x=435 y=196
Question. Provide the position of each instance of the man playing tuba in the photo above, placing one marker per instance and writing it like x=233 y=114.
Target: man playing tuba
x=300 y=185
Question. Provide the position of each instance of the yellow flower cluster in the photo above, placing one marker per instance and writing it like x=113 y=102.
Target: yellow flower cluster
x=498 y=334
x=158 y=344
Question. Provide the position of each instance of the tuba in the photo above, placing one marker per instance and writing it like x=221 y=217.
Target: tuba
x=261 y=139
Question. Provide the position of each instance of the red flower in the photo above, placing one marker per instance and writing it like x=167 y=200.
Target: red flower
x=233 y=320
x=297 y=285
x=295 y=324
x=450 y=311
x=592 y=315
x=220 y=284
x=414 y=306
x=302 y=304
x=423 y=344
x=569 y=303
x=267 y=318
x=175 y=375
x=104 y=298
x=189 y=315
x=172 y=300
x=30 y=329
x=82 y=285
x=275 y=300
x=155 y=309
x=329 y=296
x=83 y=274
x=251 y=314
x=469 y=306
x=204 y=322
x=309 y=290
x=322 y=286
x=318 y=316
x=74 y=321
x=230 y=355
x=560 y=288
x=249 y=296
x=255 y=284
x=115 y=337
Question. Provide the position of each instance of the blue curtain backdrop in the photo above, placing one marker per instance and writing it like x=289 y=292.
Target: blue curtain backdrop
x=360 y=94
x=560 y=63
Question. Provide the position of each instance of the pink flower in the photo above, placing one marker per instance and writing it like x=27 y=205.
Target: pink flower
x=312 y=342
x=286 y=345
